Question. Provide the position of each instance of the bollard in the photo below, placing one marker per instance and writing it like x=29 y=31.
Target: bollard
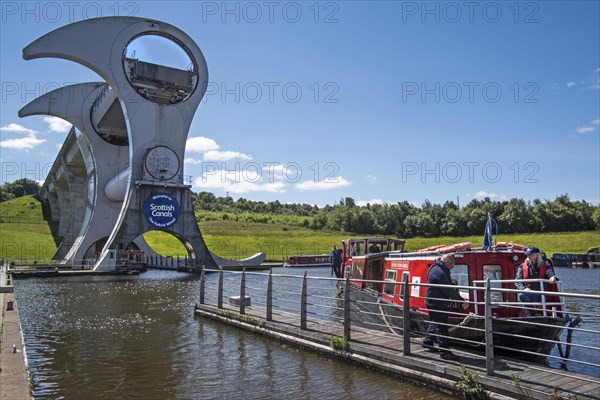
x=9 y=305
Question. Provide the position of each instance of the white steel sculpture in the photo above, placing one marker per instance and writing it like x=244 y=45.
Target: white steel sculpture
x=138 y=119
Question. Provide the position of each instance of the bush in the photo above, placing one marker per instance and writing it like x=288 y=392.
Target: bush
x=339 y=343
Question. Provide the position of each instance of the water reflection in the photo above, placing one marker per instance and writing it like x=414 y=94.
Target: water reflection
x=136 y=337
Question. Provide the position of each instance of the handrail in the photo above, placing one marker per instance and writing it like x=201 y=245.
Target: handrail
x=301 y=289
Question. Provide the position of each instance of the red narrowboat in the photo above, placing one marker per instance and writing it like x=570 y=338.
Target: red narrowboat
x=381 y=303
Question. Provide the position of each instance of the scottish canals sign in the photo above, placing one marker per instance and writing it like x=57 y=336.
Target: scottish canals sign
x=161 y=210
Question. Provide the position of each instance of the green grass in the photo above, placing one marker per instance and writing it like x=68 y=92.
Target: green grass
x=25 y=208
x=241 y=235
x=24 y=235
x=237 y=240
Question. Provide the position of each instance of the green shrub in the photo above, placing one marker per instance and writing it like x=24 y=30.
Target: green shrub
x=468 y=384
x=339 y=343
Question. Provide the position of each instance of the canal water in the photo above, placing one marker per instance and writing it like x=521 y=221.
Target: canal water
x=136 y=337
x=586 y=281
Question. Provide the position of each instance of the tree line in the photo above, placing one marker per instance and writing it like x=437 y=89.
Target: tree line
x=401 y=219
x=429 y=220
x=19 y=188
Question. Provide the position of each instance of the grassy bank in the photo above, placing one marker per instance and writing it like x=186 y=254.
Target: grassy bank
x=238 y=240
x=24 y=235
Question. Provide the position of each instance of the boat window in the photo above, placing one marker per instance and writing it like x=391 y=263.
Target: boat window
x=404 y=274
x=357 y=270
x=357 y=250
x=390 y=276
x=397 y=246
x=460 y=275
x=493 y=272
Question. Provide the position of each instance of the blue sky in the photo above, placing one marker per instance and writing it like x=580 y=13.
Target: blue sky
x=384 y=101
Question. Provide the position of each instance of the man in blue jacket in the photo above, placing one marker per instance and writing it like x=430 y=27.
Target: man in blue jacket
x=335 y=260
x=436 y=300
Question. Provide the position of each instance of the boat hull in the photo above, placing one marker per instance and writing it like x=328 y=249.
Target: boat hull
x=510 y=335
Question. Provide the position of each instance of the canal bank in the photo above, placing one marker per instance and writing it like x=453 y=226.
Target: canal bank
x=14 y=378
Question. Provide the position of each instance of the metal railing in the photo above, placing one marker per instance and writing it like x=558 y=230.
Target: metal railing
x=320 y=298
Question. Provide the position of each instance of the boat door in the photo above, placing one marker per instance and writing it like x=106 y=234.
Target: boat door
x=374 y=272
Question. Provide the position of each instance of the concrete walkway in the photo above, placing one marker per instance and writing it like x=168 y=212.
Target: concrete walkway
x=14 y=380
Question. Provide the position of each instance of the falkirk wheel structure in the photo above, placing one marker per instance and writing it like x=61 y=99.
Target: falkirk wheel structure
x=119 y=172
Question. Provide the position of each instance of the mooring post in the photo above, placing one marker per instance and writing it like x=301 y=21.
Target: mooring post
x=220 y=290
x=489 y=337
x=202 y=283
x=243 y=292
x=347 y=308
x=270 y=296
x=303 y=303
x=406 y=317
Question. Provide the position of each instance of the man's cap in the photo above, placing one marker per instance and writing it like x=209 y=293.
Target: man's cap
x=532 y=250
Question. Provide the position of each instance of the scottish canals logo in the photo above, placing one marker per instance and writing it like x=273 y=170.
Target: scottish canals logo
x=161 y=210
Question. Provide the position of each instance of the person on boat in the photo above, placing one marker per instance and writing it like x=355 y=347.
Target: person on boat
x=534 y=267
x=436 y=300
x=335 y=260
x=373 y=248
x=339 y=260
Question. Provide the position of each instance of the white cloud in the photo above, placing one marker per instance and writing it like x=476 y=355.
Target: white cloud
x=192 y=161
x=370 y=178
x=201 y=144
x=582 y=130
x=326 y=184
x=238 y=182
x=571 y=84
x=362 y=203
x=595 y=122
x=26 y=143
x=482 y=195
x=57 y=125
x=594 y=80
x=214 y=155
x=17 y=129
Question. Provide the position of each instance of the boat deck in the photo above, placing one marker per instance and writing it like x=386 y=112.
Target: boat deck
x=383 y=351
